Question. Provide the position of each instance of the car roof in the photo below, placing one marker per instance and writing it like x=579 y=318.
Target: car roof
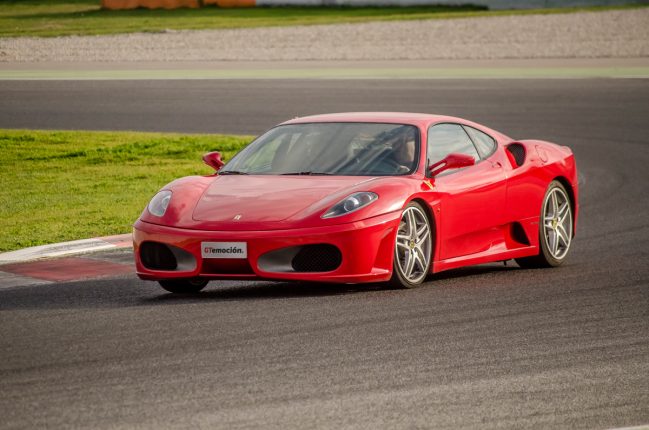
x=420 y=119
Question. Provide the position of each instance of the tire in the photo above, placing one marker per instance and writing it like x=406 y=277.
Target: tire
x=184 y=286
x=413 y=245
x=555 y=229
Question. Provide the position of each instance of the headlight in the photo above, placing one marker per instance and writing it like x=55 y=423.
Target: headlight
x=159 y=203
x=350 y=204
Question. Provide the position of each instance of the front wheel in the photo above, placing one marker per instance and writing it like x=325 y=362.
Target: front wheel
x=184 y=286
x=555 y=229
x=412 y=248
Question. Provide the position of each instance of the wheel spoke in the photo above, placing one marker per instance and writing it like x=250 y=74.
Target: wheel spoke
x=422 y=235
x=555 y=204
x=421 y=259
x=412 y=224
x=555 y=243
x=422 y=231
x=563 y=210
x=552 y=241
x=410 y=264
x=563 y=235
x=416 y=261
x=403 y=245
x=566 y=226
x=559 y=238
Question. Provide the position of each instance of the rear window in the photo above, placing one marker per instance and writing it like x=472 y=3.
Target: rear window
x=483 y=142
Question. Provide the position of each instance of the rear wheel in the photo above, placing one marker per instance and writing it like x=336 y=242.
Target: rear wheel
x=184 y=286
x=412 y=248
x=555 y=229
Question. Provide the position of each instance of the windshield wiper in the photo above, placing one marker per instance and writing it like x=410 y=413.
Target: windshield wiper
x=232 y=172
x=308 y=173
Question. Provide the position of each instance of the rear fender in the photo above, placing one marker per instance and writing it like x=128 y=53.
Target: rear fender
x=527 y=183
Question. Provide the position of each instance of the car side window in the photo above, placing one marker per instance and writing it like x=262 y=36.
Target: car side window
x=444 y=139
x=485 y=143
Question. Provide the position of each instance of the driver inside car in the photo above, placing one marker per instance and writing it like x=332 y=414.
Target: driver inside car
x=400 y=158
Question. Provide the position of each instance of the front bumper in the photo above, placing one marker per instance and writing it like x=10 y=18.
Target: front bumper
x=366 y=247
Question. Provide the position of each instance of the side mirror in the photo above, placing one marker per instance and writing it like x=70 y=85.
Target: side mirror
x=213 y=159
x=452 y=161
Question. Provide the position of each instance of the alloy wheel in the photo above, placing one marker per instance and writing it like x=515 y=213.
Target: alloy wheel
x=413 y=245
x=557 y=223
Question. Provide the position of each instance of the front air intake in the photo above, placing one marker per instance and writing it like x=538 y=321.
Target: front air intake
x=157 y=256
x=317 y=258
x=160 y=256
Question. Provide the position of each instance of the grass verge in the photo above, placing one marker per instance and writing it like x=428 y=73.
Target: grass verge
x=62 y=185
x=85 y=17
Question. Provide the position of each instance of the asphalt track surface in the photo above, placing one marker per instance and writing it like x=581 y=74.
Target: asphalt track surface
x=481 y=347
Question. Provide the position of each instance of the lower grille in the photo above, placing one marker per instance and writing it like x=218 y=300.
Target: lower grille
x=317 y=258
x=157 y=256
x=226 y=267
x=160 y=256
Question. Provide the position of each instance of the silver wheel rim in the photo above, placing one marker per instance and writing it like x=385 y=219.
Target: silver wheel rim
x=557 y=223
x=413 y=245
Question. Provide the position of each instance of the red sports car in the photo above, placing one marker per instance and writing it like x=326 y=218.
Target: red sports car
x=362 y=197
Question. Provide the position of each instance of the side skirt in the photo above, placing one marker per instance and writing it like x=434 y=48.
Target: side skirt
x=496 y=253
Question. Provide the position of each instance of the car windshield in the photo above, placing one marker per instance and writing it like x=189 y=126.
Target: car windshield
x=354 y=149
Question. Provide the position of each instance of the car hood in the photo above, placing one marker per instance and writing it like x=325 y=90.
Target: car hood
x=262 y=199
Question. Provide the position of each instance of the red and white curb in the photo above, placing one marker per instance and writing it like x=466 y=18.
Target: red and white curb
x=62 y=262
x=66 y=248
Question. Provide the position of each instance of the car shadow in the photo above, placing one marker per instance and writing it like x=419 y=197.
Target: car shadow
x=264 y=290
x=281 y=290
x=128 y=291
x=464 y=272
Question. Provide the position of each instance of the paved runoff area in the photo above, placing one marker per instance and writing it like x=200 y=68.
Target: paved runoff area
x=482 y=347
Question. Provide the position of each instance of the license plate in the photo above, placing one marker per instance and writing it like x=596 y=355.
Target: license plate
x=224 y=249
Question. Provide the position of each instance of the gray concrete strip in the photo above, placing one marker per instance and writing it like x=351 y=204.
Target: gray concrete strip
x=384 y=69
x=252 y=64
x=346 y=73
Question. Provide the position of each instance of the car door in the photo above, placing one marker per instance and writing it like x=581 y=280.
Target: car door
x=472 y=199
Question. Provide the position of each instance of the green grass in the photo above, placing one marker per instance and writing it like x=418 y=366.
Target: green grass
x=58 y=186
x=85 y=17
